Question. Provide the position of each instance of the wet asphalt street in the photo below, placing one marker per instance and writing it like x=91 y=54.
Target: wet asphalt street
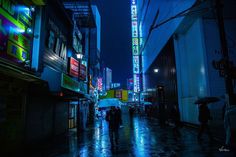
x=139 y=137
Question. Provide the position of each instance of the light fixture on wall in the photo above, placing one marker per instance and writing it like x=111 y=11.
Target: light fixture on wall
x=155 y=70
x=79 y=56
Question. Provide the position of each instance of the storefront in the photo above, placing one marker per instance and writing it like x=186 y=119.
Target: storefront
x=16 y=75
x=72 y=114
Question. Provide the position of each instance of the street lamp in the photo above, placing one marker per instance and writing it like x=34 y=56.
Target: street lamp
x=79 y=56
x=156 y=70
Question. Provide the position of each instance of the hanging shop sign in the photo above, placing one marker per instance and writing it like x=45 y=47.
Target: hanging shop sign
x=73 y=67
x=82 y=73
x=99 y=84
x=136 y=64
x=136 y=83
x=68 y=83
x=15 y=32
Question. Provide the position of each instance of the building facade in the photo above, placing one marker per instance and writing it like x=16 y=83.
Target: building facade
x=107 y=79
x=43 y=82
x=181 y=39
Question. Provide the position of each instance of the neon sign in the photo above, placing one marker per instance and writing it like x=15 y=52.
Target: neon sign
x=135 y=46
x=15 y=37
x=73 y=67
x=136 y=83
x=99 y=84
x=136 y=64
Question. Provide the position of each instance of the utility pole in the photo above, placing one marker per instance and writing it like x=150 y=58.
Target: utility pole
x=88 y=65
x=224 y=47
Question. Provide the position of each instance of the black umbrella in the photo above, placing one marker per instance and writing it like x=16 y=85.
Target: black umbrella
x=206 y=100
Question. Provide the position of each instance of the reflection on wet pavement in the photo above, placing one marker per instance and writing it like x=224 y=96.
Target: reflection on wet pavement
x=140 y=137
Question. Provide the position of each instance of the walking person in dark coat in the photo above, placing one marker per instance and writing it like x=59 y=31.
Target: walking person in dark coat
x=203 y=117
x=175 y=116
x=119 y=114
x=131 y=112
x=114 y=123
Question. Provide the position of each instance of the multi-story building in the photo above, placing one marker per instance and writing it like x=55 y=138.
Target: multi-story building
x=107 y=79
x=42 y=80
x=179 y=40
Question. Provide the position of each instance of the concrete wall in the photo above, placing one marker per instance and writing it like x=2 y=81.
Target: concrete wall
x=195 y=50
x=191 y=70
x=213 y=52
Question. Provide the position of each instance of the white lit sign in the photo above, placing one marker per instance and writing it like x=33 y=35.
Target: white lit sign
x=136 y=83
x=135 y=46
x=136 y=64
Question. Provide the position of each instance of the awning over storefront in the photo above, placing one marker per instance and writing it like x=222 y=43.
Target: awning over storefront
x=18 y=72
x=62 y=86
x=14 y=79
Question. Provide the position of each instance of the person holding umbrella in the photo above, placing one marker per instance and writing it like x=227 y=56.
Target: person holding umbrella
x=203 y=117
x=113 y=119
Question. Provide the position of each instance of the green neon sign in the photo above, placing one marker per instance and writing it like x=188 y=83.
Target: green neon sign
x=69 y=83
x=15 y=42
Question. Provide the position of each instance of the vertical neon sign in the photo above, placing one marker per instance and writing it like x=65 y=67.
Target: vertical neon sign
x=135 y=46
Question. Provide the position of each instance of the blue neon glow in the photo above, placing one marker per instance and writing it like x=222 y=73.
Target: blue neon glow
x=135 y=46
x=22 y=9
x=29 y=30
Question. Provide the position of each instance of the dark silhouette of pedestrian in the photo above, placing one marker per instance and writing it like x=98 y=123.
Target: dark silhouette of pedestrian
x=175 y=116
x=131 y=112
x=119 y=114
x=203 y=117
x=114 y=122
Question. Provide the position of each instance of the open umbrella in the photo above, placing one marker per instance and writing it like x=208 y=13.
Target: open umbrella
x=206 y=100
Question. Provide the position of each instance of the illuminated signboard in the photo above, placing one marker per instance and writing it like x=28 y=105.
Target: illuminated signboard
x=82 y=73
x=130 y=84
x=73 y=67
x=134 y=12
x=134 y=30
x=136 y=64
x=69 y=83
x=135 y=50
x=15 y=31
x=99 y=84
x=135 y=47
x=136 y=83
x=118 y=94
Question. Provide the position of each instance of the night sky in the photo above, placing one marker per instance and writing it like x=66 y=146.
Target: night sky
x=116 y=38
